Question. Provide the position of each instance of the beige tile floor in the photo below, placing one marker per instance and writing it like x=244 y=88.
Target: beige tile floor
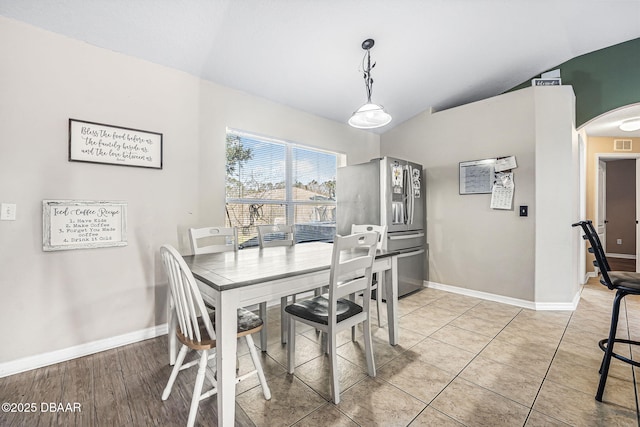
x=461 y=361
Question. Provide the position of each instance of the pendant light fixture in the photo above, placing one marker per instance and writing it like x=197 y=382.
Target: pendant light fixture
x=369 y=115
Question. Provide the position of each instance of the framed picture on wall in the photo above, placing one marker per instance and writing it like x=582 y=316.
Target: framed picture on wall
x=114 y=145
x=83 y=224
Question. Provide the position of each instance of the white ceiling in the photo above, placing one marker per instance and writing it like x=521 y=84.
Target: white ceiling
x=607 y=124
x=306 y=53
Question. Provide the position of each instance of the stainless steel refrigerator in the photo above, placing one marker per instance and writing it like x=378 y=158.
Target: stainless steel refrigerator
x=391 y=192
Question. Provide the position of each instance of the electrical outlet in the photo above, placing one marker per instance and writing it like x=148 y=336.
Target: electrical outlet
x=619 y=241
x=7 y=211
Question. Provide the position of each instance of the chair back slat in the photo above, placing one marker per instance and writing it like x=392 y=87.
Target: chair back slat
x=276 y=235
x=351 y=265
x=189 y=305
x=381 y=229
x=209 y=240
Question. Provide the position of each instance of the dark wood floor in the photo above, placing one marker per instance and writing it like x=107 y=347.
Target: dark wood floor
x=119 y=387
x=622 y=264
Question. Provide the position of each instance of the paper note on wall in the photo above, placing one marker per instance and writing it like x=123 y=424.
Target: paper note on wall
x=505 y=163
x=502 y=192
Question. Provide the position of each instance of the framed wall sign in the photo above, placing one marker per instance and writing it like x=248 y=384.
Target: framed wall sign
x=114 y=145
x=79 y=224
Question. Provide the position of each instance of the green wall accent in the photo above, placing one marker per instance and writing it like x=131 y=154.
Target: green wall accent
x=602 y=80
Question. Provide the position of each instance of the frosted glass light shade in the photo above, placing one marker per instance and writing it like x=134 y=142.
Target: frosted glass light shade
x=630 y=125
x=369 y=116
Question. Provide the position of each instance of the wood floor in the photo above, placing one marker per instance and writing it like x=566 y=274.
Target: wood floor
x=622 y=264
x=119 y=387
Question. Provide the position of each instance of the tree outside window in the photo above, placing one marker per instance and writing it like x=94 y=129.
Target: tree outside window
x=275 y=182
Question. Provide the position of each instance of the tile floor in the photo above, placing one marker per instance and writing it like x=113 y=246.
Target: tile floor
x=461 y=361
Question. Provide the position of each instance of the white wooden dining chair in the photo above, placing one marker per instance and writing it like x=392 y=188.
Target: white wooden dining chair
x=378 y=279
x=273 y=235
x=351 y=272
x=209 y=240
x=276 y=235
x=196 y=331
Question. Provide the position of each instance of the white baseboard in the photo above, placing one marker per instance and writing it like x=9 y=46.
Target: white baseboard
x=560 y=306
x=623 y=256
x=62 y=355
x=507 y=300
x=65 y=354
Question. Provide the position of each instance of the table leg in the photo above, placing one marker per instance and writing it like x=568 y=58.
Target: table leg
x=392 y=302
x=263 y=332
x=227 y=305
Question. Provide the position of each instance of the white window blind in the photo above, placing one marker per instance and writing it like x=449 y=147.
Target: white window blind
x=277 y=182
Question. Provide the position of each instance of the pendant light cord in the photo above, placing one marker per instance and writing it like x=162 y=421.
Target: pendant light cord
x=368 y=80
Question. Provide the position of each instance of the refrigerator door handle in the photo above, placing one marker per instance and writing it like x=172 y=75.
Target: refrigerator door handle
x=410 y=195
x=406 y=236
x=408 y=254
x=405 y=195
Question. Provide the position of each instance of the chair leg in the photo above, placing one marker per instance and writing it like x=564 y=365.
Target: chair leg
x=291 y=346
x=263 y=332
x=606 y=360
x=352 y=297
x=174 y=372
x=333 y=367
x=368 y=348
x=284 y=318
x=172 y=324
x=379 y=293
x=197 y=388
x=258 y=365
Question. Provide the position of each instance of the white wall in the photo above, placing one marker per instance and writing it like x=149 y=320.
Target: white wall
x=557 y=195
x=56 y=300
x=480 y=249
x=222 y=107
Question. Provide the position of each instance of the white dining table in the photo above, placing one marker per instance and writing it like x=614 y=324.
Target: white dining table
x=250 y=276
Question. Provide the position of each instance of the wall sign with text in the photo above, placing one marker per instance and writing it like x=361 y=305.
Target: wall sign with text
x=79 y=224
x=114 y=145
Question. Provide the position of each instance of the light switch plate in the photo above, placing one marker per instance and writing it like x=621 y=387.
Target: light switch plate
x=7 y=211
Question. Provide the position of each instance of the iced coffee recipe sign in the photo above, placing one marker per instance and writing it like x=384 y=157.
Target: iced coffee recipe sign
x=78 y=224
x=100 y=143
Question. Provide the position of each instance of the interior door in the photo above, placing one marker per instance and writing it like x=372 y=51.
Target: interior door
x=637 y=214
x=601 y=220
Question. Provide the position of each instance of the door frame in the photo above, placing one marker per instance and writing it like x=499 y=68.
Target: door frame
x=620 y=156
x=601 y=203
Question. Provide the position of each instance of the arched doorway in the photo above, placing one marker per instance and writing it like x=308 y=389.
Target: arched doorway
x=607 y=146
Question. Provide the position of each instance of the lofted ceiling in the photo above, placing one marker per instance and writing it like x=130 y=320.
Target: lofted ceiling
x=430 y=54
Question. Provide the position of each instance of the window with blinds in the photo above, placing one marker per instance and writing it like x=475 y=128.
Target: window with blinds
x=277 y=182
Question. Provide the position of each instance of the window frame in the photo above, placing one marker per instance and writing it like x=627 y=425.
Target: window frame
x=288 y=202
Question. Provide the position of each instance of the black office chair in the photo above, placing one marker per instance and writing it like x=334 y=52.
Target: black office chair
x=624 y=283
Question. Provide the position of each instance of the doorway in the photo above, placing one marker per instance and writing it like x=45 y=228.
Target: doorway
x=617 y=204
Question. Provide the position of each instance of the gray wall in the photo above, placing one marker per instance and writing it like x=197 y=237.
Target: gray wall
x=494 y=251
x=55 y=301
